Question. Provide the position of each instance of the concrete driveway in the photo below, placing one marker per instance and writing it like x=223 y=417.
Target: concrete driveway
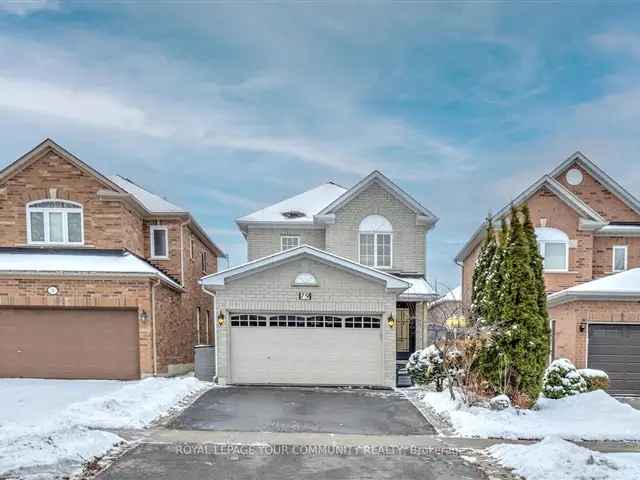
x=272 y=409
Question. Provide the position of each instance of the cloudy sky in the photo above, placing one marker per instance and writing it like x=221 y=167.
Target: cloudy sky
x=227 y=107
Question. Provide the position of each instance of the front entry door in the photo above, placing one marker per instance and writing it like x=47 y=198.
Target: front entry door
x=405 y=334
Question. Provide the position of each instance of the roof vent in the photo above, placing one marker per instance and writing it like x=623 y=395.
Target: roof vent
x=294 y=214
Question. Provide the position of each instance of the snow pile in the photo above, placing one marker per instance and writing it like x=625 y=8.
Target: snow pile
x=562 y=379
x=69 y=435
x=592 y=373
x=589 y=416
x=558 y=459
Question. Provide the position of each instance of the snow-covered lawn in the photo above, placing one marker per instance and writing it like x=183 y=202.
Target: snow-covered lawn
x=554 y=458
x=46 y=422
x=588 y=416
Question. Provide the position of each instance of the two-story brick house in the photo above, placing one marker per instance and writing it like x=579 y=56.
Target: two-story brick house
x=588 y=229
x=98 y=277
x=334 y=292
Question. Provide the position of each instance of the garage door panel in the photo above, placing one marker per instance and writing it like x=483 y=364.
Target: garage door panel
x=63 y=343
x=322 y=356
x=615 y=349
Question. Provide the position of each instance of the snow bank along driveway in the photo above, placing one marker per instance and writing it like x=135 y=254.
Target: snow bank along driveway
x=554 y=458
x=588 y=416
x=46 y=422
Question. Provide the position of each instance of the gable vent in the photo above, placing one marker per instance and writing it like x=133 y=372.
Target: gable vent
x=294 y=214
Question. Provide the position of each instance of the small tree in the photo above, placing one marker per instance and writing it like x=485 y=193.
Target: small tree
x=481 y=270
x=562 y=379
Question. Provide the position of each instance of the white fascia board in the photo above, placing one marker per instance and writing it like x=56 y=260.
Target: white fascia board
x=601 y=176
x=556 y=187
x=403 y=196
x=218 y=279
x=566 y=296
x=618 y=231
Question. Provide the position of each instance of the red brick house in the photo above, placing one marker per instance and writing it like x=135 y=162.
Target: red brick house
x=98 y=277
x=588 y=229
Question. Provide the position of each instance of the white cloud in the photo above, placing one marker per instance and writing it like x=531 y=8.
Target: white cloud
x=88 y=107
x=23 y=8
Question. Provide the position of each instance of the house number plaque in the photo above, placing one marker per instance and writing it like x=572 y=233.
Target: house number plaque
x=304 y=295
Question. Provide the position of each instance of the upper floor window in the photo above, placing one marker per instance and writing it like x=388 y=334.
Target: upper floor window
x=159 y=242
x=554 y=248
x=375 y=242
x=619 y=258
x=55 y=222
x=288 y=242
x=203 y=258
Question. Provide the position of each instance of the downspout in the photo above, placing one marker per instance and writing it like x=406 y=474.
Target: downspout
x=213 y=320
x=182 y=225
x=153 y=327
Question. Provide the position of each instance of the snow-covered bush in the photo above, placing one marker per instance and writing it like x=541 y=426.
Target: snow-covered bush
x=595 y=379
x=426 y=366
x=500 y=402
x=561 y=379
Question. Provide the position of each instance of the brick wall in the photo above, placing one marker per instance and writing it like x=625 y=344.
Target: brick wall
x=272 y=291
x=570 y=342
x=266 y=241
x=87 y=292
x=603 y=254
x=107 y=224
x=594 y=194
x=409 y=239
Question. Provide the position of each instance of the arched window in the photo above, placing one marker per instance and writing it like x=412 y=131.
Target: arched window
x=305 y=279
x=55 y=222
x=375 y=242
x=554 y=247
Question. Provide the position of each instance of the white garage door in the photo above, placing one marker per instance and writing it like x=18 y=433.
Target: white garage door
x=306 y=350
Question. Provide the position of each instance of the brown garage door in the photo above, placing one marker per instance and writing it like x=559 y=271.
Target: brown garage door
x=62 y=343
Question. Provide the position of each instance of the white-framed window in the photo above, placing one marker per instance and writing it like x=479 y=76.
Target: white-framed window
x=52 y=221
x=197 y=325
x=554 y=248
x=288 y=242
x=192 y=247
x=203 y=259
x=375 y=242
x=619 y=258
x=159 y=238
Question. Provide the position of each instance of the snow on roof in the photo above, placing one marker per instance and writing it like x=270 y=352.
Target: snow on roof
x=150 y=201
x=309 y=203
x=619 y=285
x=418 y=288
x=78 y=261
x=454 y=295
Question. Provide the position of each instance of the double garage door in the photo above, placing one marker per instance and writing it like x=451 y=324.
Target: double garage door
x=68 y=343
x=306 y=349
x=615 y=348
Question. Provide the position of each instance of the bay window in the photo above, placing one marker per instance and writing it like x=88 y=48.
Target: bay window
x=375 y=242
x=55 y=222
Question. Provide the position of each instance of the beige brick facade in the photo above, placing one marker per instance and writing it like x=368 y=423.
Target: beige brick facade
x=409 y=239
x=113 y=224
x=272 y=291
x=262 y=241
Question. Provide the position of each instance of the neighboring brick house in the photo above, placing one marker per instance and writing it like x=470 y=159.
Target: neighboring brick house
x=98 y=277
x=588 y=228
x=334 y=292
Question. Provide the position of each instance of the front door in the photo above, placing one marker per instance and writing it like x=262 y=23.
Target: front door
x=405 y=334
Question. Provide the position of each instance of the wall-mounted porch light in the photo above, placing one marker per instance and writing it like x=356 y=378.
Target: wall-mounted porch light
x=583 y=326
x=390 y=321
x=144 y=316
x=220 y=318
